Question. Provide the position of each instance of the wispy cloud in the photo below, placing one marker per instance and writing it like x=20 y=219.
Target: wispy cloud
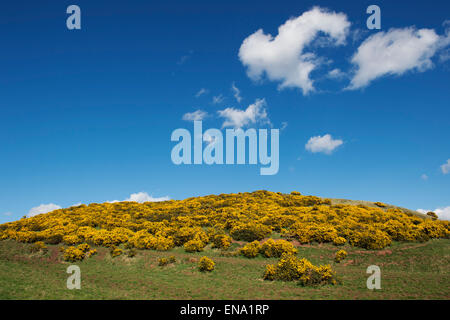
x=197 y=115
x=201 y=92
x=218 y=99
x=236 y=92
x=446 y=167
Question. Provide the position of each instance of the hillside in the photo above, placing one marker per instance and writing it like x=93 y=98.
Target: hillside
x=289 y=240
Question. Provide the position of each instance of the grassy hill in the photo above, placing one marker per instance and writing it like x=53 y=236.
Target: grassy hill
x=120 y=249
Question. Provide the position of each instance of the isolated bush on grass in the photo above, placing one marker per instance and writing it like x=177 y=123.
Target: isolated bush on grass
x=206 y=264
x=340 y=255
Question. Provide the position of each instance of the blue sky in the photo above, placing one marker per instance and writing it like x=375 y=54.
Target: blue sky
x=86 y=115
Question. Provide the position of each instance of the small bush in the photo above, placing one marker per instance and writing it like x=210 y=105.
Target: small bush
x=115 y=252
x=339 y=241
x=38 y=246
x=222 y=241
x=432 y=215
x=194 y=246
x=340 y=255
x=250 y=250
x=165 y=261
x=73 y=254
x=272 y=248
x=131 y=253
x=206 y=264
x=380 y=204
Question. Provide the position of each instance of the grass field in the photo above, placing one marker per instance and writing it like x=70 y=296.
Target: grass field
x=408 y=271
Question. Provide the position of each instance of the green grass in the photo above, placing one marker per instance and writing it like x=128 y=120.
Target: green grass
x=408 y=271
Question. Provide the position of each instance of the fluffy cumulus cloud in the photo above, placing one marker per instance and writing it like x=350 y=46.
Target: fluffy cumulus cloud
x=446 y=167
x=442 y=213
x=255 y=113
x=197 y=115
x=43 y=208
x=324 y=144
x=393 y=53
x=283 y=57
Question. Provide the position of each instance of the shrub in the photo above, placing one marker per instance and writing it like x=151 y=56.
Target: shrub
x=370 y=239
x=250 y=250
x=73 y=254
x=83 y=247
x=165 y=261
x=291 y=268
x=92 y=252
x=339 y=241
x=206 y=264
x=340 y=255
x=250 y=232
x=432 y=214
x=38 y=246
x=380 y=204
x=71 y=239
x=131 y=253
x=272 y=248
x=194 y=246
x=222 y=241
x=115 y=252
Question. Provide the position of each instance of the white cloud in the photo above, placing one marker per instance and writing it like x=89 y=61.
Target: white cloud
x=142 y=197
x=43 y=208
x=217 y=99
x=442 y=213
x=446 y=167
x=282 y=58
x=239 y=118
x=237 y=92
x=424 y=177
x=283 y=125
x=145 y=197
x=7 y=214
x=201 y=92
x=336 y=74
x=197 y=115
x=325 y=144
x=393 y=53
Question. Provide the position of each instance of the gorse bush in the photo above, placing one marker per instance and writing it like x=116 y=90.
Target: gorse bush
x=194 y=245
x=340 y=255
x=339 y=241
x=291 y=268
x=272 y=248
x=206 y=264
x=221 y=241
x=165 y=261
x=73 y=254
x=115 y=252
x=250 y=250
x=250 y=231
x=216 y=219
